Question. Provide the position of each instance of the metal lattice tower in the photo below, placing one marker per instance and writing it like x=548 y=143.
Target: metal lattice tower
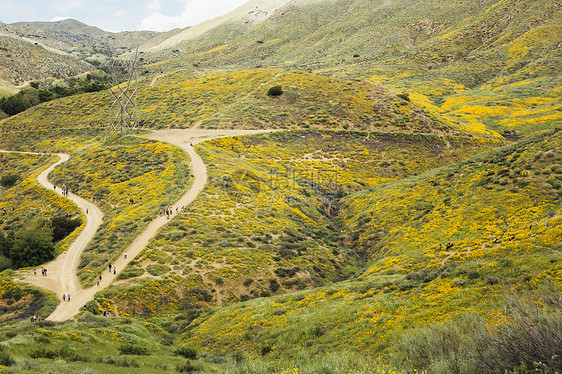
x=123 y=117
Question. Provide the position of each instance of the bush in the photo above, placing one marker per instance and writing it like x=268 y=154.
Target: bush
x=32 y=247
x=532 y=336
x=275 y=91
x=186 y=352
x=6 y=359
x=63 y=226
x=133 y=349
x=9 y=180
x=43 y=353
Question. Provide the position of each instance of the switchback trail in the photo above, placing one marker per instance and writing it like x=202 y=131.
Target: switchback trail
x=62 y=277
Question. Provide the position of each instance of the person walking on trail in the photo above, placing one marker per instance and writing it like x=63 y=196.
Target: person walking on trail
x=63 y=297
x=125 y=254
x=110 y=268
x=114 y=271
x=68 y=297
x=34 y=271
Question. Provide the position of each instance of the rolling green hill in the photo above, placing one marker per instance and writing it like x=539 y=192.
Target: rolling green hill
x=475 y=61
x=405 y=219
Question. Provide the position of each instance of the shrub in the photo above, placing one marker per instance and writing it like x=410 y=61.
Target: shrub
x=6 y=359
x=133 y=349
x=275 y=91
x=9 y=180
x=186 y=352
x=62 y=226
x=43 y=353
x=404 y=96
x=32 y=247
x=531 y=336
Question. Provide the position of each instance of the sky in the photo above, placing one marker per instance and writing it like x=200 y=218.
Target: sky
x=119 y=15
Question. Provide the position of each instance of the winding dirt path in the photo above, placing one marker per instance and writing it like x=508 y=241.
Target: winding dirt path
x=61 y=276
x=61 y=272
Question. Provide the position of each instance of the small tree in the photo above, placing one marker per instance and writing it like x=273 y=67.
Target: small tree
x=9 y=180
x=275 y=91
x=32 y=247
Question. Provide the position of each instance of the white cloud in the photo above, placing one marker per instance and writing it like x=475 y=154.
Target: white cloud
x=195 y=12
x=153 y=5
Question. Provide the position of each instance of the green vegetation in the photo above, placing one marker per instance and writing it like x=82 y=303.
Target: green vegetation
x=408 y=219
x=34 y=95
x=267 y=221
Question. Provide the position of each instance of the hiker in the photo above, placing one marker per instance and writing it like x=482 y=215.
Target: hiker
x=125 y=254
x=98 y=283
x=45 y=271
x=86 y=210
x=114 y=271
x=84 y=308
x=68 y=298
x=100 y=277
x=110 y=268
x=63 y=297
x=34 y=271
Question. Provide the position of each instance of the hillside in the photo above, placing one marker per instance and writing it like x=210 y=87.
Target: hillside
x=475 y=61
x=56 y=50
x=266 y=222
x=401 y=214
x=240 y=100
x=22 y=61
x=411 y=281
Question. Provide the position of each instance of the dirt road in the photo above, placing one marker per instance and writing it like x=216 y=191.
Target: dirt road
x=62 y=277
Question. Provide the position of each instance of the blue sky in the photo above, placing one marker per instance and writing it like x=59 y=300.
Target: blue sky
x=119 y=15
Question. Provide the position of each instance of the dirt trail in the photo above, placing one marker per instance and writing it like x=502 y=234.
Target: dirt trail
x=61 y=273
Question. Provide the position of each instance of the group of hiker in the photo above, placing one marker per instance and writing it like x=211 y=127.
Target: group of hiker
x=170 y=211
x=64 y=189
x=43 y=272
x=66 y=297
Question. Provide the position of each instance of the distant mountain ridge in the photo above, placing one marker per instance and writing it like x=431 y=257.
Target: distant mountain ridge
x=52 y=50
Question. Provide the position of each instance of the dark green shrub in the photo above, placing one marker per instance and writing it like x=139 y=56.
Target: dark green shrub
x=404 y=96
x=32 y=247
x=5 y=358
x=275 y=91
x=133 y=349
x=63 y=226
x=265 y=350
x=9 y=180
x=43 y=353
x=186 y=352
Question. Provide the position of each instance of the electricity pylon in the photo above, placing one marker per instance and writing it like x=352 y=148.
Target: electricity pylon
x=123 y=117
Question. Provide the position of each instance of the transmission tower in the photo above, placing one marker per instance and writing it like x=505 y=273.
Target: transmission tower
x=123 y=117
